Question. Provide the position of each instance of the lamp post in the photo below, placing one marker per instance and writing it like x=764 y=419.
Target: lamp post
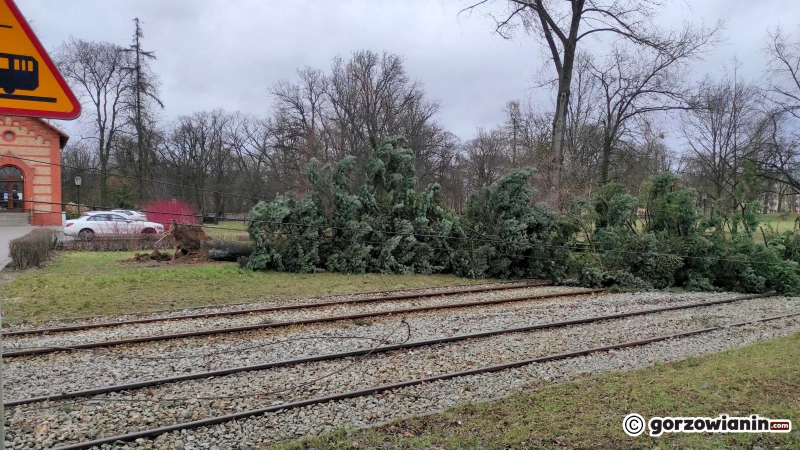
x=78 y=181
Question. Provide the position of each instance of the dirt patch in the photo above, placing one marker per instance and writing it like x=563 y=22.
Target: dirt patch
x=193 y=246
x=146 y=257
x=164 y=257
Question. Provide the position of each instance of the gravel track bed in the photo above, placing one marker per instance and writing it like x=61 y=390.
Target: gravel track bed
x=248 y=305
x=80 y=421
x=377 y=409
x=189 y=325
x=37 y=375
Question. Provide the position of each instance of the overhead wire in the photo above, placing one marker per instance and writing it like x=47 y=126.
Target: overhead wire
x=530 y=245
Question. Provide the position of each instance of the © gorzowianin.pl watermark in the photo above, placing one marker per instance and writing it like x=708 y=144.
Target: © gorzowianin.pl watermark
x=634 y=425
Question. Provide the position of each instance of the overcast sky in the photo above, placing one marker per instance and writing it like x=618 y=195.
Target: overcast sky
x=226 y=54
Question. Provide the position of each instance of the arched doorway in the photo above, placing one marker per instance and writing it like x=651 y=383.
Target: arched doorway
x=11 y=187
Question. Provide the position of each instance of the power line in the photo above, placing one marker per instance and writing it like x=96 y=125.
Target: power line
x=114 y=174
x=333 y=238
x=467 y=239
x=166 y=183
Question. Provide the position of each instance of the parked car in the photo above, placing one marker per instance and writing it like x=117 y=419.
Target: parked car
x=129 y=214
x=135 y=215
x=108 y=223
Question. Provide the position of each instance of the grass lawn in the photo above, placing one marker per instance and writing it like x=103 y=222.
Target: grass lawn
x=760 y=379
x=228 y=230
x=779 y=222
x=89 y=283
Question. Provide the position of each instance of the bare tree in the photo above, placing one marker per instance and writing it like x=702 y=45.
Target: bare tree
x=563 y=25
x=722 y=134
x=197 y=150
x=639 y=160
x=784 y=71
x=486 y=157
x=80 y=159
x=96 y=70
x=298 y=124
x=584 y=135
x=253 y=151
x=636 y=82
x=372 y=97
x=348 y=111
x=779 y=158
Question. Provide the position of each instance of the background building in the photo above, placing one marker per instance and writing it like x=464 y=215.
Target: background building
x=30 y=171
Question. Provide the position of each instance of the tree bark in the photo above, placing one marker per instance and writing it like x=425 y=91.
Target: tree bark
x=605 y=162
x=560 y=129
x=225 y=250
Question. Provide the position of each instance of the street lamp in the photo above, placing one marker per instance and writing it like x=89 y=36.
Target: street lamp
x=78 y=181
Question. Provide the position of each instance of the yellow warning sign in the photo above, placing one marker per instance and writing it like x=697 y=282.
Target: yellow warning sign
x=30 y=84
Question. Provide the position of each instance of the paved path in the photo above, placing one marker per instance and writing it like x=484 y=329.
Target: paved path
x=6 y=235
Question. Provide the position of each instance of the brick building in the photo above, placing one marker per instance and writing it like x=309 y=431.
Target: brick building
x=30 y=183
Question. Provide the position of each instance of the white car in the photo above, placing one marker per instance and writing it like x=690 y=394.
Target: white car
x=108 y=223
x=131 y=214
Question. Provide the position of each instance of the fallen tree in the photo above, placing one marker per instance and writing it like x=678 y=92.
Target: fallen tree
x=192 y=241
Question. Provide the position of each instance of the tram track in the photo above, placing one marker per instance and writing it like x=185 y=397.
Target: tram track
x=375 y=350
x=382 y=388
x=380 y=296
x=31 y=351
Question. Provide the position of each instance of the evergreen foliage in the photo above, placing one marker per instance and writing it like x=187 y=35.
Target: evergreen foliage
x=380 y=224
x=378 y=221
x=678 y=247
x=510 y=237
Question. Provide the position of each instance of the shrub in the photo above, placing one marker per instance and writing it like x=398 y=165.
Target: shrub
x=120 y=243
x=164 y=211
x=34 y=249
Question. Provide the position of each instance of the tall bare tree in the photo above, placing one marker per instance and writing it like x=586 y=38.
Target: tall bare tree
x=563 y=25
x=784 y=71
x=723 y=133
x=96 y=70
x=253 y=151
x=637 y=81
x=198 y=151
x=780 y=158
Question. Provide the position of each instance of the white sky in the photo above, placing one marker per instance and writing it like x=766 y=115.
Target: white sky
x=226 y=53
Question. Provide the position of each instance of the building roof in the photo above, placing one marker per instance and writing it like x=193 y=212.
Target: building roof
x=63 y=138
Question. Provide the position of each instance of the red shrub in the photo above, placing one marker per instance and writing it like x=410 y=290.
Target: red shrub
x=165 y=210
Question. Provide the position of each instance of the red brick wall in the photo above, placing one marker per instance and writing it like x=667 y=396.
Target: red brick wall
x=38 y=145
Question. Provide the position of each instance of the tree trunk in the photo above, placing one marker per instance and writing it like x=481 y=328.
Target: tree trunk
x=225 y=250
x=103 y=182
x=560 y=134
x=605 y=163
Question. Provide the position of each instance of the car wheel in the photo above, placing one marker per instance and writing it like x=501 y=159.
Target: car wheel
x=87 y=234
x=148 y=231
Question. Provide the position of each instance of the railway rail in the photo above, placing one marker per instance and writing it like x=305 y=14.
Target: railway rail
x=375 y=297
x=155 y=432
x=367 y=351
x=30 y=351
